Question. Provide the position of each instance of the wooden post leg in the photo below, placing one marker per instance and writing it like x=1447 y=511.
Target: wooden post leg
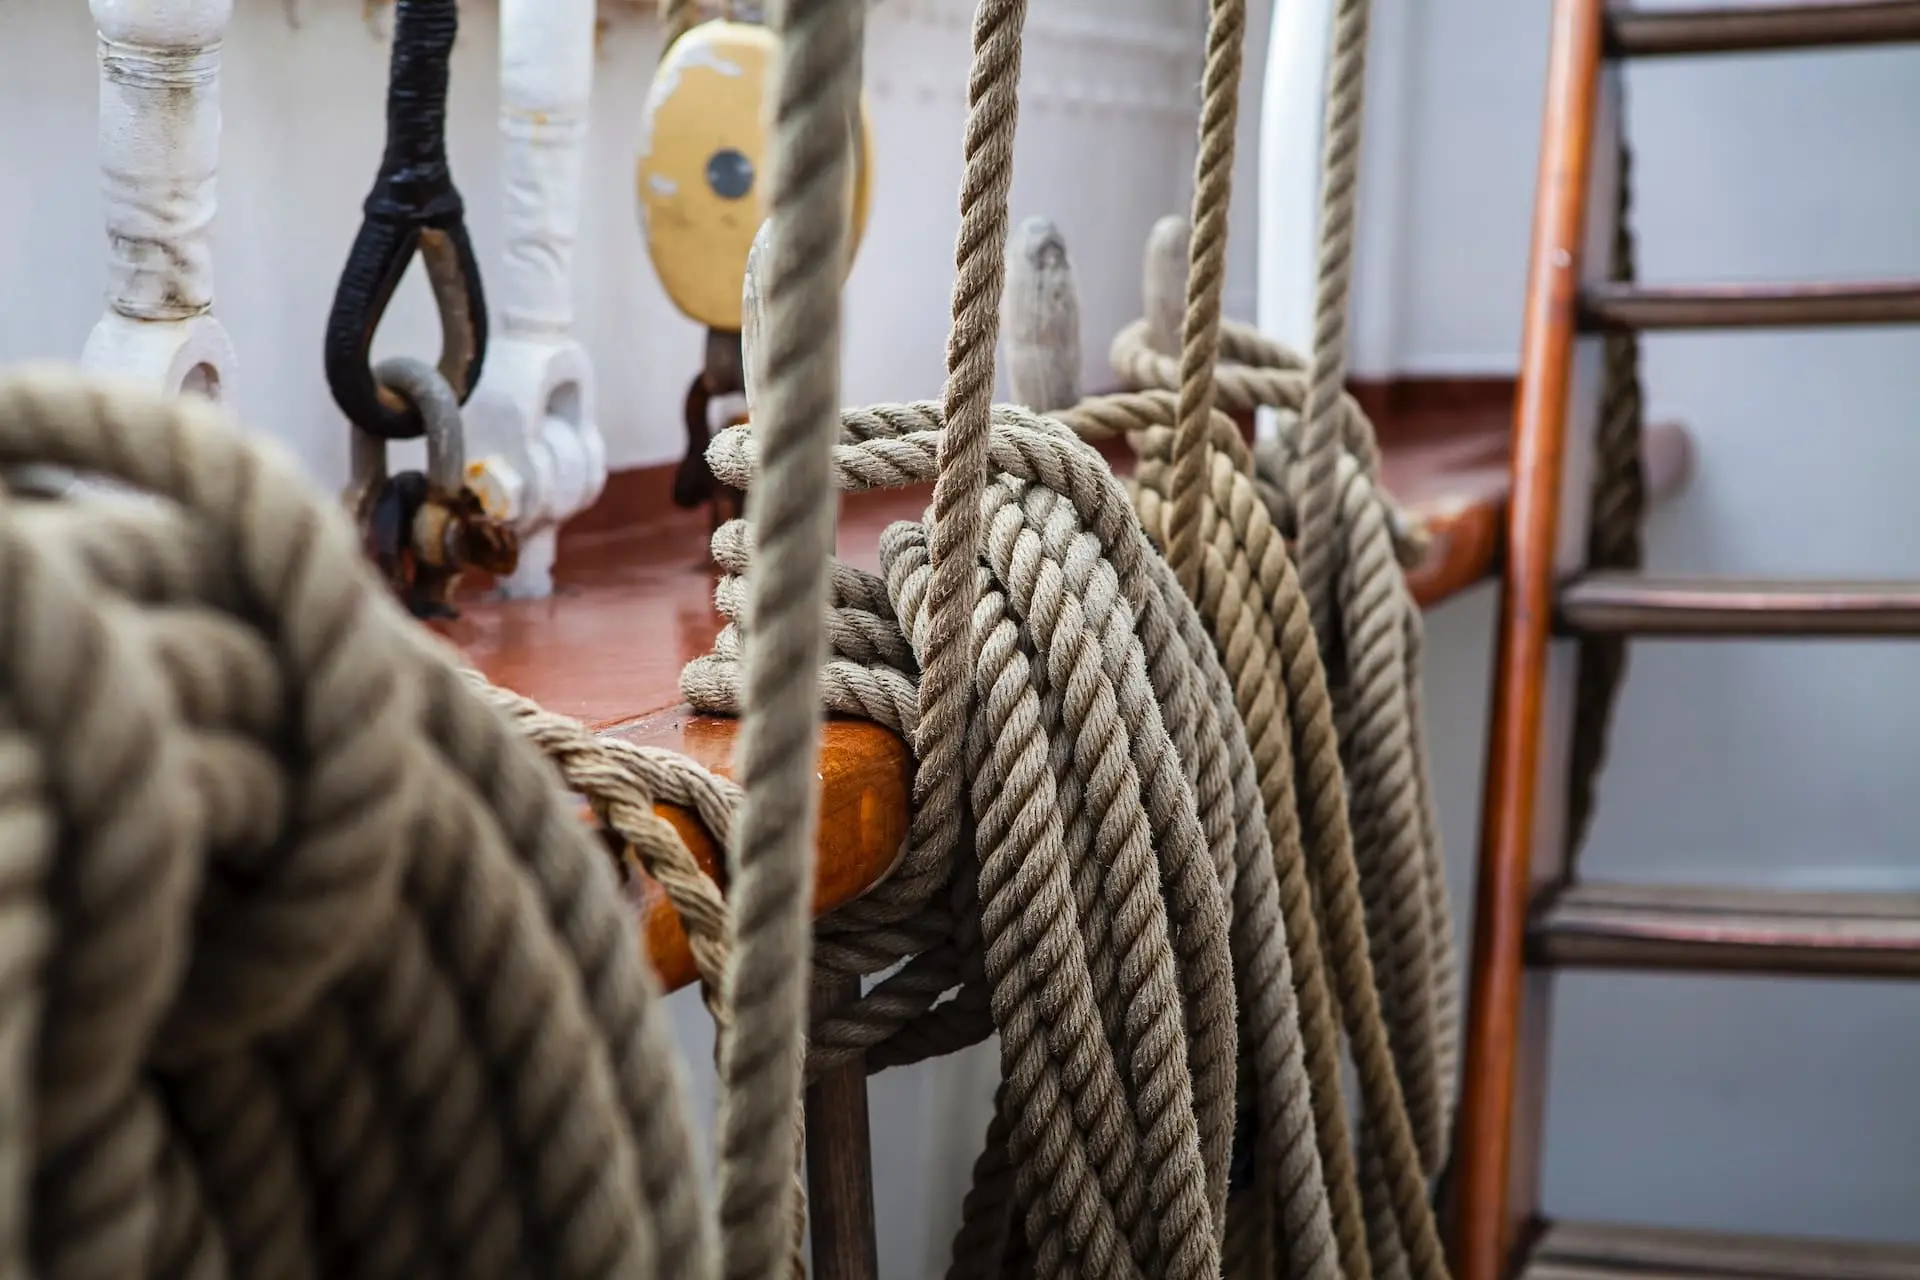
x=840 y=1163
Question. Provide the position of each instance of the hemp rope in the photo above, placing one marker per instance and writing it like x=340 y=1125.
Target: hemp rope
x=312 y=970
x=1013 y=771
x=816 y=86
x=1399 y=853
x=1314 y=481
x=1619 y=500
x=855 y=676
x=1391 y=808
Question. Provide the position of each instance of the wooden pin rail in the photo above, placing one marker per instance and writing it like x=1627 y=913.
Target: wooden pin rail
x=634 y=604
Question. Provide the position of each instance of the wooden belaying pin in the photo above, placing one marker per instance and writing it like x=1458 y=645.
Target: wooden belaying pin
x=1163 y=284
x=1040 y=319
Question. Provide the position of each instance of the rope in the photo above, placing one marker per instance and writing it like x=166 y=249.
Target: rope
x=1207 y=261
x=310 y=967
x=1315 y=483
x=1095 y=757
x=816 y=88
x=939 y=741
x=1409 y=946
x=1613 y=531
x=1321 y=486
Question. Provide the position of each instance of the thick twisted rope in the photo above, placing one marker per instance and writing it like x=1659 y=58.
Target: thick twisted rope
x=993 y=106
x=1613 y=532
x=1315 y=484
x=310 y=967
x=1206 y=277
x=816 y=86
x=1390 y=810
x=1059 y=823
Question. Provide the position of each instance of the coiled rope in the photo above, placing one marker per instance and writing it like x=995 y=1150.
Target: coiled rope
x=1321 y=488
x=1042 y=754
x=310 y=967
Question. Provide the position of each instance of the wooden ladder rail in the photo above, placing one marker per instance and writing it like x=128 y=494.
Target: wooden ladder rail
x=1503 y=1081
x=1529 y=913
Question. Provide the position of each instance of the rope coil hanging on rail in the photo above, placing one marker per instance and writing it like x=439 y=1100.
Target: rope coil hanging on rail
x=1044 y=723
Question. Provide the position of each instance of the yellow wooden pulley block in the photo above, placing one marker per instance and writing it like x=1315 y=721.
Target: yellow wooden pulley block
x=702 y=169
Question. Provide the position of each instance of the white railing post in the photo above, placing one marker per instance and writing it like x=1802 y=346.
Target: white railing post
x=537 y=454
x=159 y=154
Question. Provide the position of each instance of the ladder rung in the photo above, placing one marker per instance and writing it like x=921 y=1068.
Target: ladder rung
x=1633 y=604
x=1629 y=306
x=1602 y=1251
x=1757 y=28
x=1711 y=929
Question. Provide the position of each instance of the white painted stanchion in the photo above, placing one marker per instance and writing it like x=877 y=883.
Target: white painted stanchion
x=1292 y=106
x=537 y=457
x=159 y=154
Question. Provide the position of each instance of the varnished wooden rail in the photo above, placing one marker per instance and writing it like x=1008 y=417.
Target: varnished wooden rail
x=1789 y=306
x=1502 y=1084
x=1757 y=28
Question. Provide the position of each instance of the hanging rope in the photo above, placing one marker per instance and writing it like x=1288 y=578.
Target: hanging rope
x=315 y=971
x=1321 y=488
x=1068 y=834
x=1613 y=531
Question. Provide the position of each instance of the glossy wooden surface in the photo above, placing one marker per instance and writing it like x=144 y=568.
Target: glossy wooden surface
x=1753 y=28
x=1718 y=929
x=1491 y=1186
x=1737 y=608
x=1616 y=1251
x=866 y=776
x=1780 y=306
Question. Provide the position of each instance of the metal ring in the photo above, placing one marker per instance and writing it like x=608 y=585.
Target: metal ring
x=430 y=395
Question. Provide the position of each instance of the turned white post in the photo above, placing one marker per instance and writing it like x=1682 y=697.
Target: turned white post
x=1040 y=319
x=159 y=153
x=532 y=431
x=753 y=312
x=1164 y=283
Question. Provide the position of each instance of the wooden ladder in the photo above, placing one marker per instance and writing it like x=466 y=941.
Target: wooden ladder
x=1532 y=916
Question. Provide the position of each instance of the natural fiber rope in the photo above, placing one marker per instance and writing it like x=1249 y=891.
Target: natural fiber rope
x=1390 y=809
x=311 y=970
x=1410 y=928
x=993 y=105
x=1206 y=272
x=816 y=87
x=1613 y=531
x=1314 y=483
x=1022 y=692
x=1038 y=766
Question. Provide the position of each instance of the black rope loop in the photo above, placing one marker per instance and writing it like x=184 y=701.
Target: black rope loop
x=414 y=207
